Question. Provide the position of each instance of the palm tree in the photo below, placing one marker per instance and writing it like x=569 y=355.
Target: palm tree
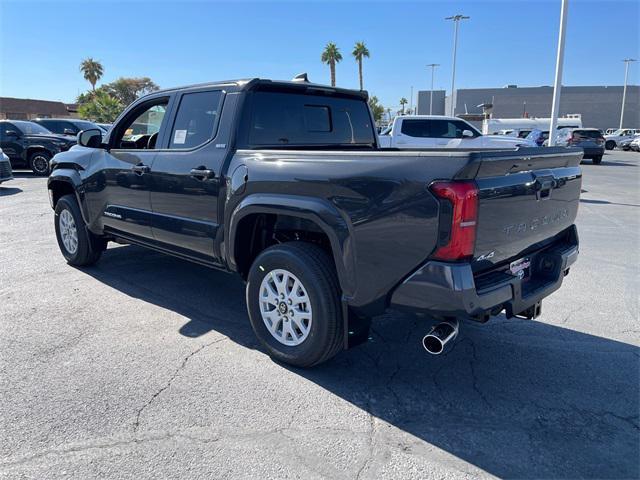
x=92 y=71
x=360 y=51
x=331 y=55
x=403 y=102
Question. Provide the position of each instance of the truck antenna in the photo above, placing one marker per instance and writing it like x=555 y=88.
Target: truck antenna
x=301 y=77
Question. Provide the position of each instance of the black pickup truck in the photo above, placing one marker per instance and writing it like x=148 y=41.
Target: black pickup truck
x=284 y=183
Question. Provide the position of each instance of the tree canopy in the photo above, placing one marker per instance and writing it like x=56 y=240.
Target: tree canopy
x=101 y=107
x=92 y=71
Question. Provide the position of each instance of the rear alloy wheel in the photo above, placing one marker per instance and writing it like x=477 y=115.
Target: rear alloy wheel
x=610 y=145
x=285 y=307
x=39 y=163
x=294 y=306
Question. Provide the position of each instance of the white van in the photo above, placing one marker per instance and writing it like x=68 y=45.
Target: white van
x=518 y=125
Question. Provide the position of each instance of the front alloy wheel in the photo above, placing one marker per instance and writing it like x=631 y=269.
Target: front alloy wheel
x=285 y=307
x=39 y=163
x=78 y=245
x=68 y=232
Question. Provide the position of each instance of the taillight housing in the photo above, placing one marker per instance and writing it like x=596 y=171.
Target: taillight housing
x=459 y=239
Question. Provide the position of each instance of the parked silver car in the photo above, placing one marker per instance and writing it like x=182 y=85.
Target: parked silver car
x=5 y=168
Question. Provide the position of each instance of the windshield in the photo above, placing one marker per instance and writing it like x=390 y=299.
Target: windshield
x=30 y=128
x=387 y=130
x=618 y=132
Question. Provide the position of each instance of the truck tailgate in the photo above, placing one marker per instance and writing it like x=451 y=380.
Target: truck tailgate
x=526 y=198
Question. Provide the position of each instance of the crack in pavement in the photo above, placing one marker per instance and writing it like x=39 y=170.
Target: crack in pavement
x=160 y=436
x=371 y=435
x=186 y=359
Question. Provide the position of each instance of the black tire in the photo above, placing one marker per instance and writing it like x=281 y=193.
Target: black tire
x=39 y=162
x=597 y=160
x=315 y=270
x=89 y=246
x=610 y=145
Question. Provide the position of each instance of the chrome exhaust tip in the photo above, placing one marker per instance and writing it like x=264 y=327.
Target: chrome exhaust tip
x=435 y=342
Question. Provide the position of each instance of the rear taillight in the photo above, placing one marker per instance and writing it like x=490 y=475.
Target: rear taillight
x=463 y=199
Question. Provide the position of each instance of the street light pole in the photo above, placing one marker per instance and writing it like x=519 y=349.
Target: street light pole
x=626 y=61
x=411 y=102
x=433 y=67
x=557 y=86
x=456 y=19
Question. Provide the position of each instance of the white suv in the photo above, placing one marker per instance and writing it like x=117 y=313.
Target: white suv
x=436 y=131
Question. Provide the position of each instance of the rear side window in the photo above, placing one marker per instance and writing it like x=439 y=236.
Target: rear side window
x=196 y=119
x=416 y=128
x=292 y=119
x=55 y=126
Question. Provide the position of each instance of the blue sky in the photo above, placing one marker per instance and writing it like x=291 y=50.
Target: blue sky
x=177 y=43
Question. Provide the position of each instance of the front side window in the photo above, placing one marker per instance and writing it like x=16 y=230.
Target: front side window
x=56 y=126
x=139 y=130
x=444 y=129
x=196 y=119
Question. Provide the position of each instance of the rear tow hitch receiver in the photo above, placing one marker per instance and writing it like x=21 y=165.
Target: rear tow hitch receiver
x=531 y=313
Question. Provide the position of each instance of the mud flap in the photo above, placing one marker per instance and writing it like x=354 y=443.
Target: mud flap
x=356 y=328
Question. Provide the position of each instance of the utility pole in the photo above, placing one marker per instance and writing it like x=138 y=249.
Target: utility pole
x=557 y=86
x=456 y=19
x=433 y=67
x=626 y=61
x=411 y=101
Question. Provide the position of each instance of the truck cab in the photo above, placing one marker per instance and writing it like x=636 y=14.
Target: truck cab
x=437 y=131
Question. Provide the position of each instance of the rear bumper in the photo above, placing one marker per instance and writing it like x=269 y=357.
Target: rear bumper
x=452 y=289
x=590 y=152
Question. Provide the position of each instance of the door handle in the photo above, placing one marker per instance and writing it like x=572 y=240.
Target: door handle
x=201 y=173
x=140 y=169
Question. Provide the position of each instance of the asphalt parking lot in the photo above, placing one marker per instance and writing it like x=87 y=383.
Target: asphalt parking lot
x=145 y=366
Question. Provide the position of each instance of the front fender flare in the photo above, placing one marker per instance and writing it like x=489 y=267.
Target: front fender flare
x=71 y=177
x=321 y=212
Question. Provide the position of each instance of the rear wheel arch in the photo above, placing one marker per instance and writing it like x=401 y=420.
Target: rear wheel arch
x=252 y=227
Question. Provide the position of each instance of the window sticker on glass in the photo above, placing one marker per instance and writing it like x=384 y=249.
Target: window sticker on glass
x=179 y=137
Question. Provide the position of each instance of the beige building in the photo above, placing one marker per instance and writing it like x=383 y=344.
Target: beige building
x=27 y=109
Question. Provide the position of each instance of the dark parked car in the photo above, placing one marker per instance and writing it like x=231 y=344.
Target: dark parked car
x=284 y=184
x=28 y=144
x=65 y=126
x=590 y=140
x=6 y=173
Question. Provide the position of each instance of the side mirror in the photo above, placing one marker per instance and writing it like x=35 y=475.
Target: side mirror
x=91 y=138
x=11 y=133
x=68 y=131
x=467 y=134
